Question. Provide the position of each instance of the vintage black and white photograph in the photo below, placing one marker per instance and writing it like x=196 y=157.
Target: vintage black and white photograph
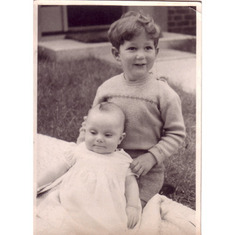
x=117 y=96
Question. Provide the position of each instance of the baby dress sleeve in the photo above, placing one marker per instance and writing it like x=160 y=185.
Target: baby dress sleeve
x=129 y=160
x=53 y=158
x=69 y=156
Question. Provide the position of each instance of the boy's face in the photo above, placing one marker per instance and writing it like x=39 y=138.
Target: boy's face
x=137 y=57
x=104 y=132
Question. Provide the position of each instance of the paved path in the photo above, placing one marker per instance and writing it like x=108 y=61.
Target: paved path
x=177 y=66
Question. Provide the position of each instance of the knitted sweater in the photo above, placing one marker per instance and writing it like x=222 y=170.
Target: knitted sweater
x=153 y=113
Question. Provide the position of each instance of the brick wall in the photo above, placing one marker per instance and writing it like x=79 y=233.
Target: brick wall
x=182 y=20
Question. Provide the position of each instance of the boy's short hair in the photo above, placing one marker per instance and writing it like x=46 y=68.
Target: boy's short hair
x=131 y=24
x=110 y=107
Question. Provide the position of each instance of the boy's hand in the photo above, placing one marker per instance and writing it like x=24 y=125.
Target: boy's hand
x=132 y=216
x=82 y=131
x=143 y=164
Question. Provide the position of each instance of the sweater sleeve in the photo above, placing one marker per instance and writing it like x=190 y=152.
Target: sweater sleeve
x=98 y=98
x=173 y=127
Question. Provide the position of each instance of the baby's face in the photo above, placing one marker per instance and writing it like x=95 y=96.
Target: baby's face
x=137 y=57
x=104 y=132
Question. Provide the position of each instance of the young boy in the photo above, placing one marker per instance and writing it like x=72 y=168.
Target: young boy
x=155 y=126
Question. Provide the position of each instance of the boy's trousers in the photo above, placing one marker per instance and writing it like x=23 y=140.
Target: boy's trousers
x=151 y=183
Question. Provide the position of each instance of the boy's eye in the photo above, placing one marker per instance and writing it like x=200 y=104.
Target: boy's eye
x=131 y=48
x=149 y=48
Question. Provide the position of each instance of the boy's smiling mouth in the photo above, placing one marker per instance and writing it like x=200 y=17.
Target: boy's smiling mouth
x=139 y=65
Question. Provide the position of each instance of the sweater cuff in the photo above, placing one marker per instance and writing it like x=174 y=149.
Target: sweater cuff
x=158 y=154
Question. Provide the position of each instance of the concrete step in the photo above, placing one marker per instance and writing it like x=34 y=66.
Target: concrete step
x=64 y=49
x=177 y=66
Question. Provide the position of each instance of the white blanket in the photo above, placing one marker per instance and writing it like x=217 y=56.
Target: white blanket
x=161 y=216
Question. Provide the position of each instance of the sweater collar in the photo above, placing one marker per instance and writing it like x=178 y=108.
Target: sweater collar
x=138 y=82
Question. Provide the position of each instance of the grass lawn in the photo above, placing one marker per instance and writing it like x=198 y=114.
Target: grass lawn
x=65 y=93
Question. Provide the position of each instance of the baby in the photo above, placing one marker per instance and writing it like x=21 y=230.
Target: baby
x=99 y=194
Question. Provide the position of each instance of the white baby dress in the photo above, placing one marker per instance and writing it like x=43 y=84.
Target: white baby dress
x=91 y=197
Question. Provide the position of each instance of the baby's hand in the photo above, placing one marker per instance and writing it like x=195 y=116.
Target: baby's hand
x=132 y=216
x=143 y=164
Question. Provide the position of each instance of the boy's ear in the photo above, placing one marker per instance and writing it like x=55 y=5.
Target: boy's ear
x=115 y=53
x=122 y=137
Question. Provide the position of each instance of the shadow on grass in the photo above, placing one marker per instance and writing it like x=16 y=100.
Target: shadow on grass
x=65 y=93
